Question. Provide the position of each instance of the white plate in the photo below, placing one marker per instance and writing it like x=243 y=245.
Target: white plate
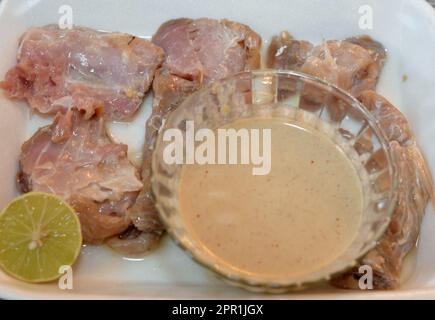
x=406 y=28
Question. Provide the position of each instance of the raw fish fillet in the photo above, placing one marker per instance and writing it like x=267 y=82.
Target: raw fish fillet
x=58 y=69
x=415 y=190
x=75 y=159
x=353 y=64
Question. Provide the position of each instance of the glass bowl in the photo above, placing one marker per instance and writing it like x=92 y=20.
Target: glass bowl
x=294 y=96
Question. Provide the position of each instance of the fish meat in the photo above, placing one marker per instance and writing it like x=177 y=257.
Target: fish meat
x=58 y=69
x=197 y=52
x=353 y=64
x=206 y=49
x=75 y=159
x=415 y=190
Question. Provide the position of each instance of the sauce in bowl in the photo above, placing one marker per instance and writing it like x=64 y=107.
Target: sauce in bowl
x=291 y=222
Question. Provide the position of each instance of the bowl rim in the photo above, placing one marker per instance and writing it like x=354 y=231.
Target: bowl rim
x=271 y=287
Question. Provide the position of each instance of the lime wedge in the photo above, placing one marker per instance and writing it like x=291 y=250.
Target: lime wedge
x=39 y=234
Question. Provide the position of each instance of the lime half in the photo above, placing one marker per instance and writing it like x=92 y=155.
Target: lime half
x=39 y=234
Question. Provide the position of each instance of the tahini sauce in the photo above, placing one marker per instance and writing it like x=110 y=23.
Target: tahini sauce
x=293 y=221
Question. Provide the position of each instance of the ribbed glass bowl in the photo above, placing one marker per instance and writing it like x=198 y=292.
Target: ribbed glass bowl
x=296 y=97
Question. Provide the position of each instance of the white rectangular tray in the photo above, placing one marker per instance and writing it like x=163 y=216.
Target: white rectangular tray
x=406 y=28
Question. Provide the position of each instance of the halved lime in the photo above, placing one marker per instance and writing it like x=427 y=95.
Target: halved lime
x=39 y=235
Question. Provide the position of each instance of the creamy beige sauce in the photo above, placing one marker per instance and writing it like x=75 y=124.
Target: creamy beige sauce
x=293 y=221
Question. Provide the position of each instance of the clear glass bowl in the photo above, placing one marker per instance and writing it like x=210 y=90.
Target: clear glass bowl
x=284 y=94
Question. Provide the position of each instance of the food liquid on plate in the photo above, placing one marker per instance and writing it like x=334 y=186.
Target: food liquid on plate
x=289 y=223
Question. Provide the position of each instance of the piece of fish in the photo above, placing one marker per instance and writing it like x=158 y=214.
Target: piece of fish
x=415 y=190
x=197 y=52
x=75 y=159
x=57 y=69
x=353 y=64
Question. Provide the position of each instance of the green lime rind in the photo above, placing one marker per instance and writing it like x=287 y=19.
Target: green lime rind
x=39 y=233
